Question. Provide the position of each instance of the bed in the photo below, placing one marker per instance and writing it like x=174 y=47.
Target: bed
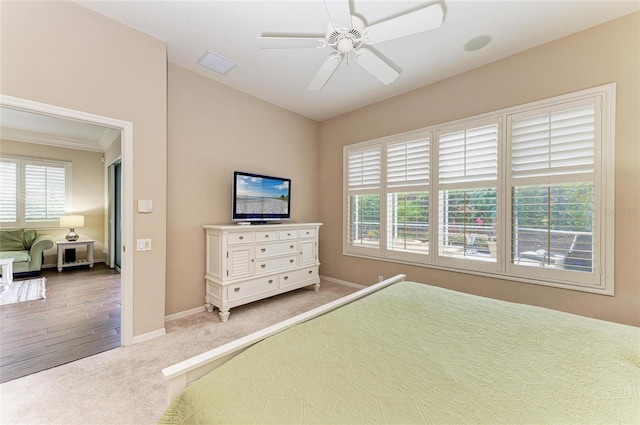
x=406 y=352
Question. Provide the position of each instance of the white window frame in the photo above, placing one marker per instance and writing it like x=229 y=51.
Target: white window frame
x=21 y=163
x=601 y=281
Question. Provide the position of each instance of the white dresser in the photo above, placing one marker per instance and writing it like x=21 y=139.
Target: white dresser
x=249 y=263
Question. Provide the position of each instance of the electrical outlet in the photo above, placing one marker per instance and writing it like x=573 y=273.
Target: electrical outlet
x=380 y=278
x=144 y=244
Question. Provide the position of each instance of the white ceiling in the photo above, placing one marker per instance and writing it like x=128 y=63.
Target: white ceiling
x=23 y=126
x=230 y=28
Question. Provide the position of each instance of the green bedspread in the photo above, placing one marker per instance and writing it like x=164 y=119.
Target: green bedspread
x=413 y=353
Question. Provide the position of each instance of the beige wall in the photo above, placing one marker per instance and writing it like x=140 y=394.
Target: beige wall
x=87 y=189
x=604 y=54
x=62 y=54
x=214 y=130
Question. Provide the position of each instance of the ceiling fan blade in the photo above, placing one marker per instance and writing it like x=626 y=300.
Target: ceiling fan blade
x=290 y=42
x=339 y=13
x=325 y=72
x=376 y=66
x=424 y=19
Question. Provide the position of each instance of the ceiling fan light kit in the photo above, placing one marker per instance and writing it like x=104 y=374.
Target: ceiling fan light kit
x=348 y=34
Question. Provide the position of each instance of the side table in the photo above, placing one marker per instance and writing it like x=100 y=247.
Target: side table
x=66 y=244
x=7 y=271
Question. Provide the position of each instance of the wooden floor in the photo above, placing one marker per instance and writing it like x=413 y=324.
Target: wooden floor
x=80 y=317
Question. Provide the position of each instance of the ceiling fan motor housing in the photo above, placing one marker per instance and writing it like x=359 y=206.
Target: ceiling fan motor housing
x=345 y=40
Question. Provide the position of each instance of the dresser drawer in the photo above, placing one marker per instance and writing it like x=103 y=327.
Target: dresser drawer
x=288 y=234
x=267 y=235
x=275 y=264
x=264 y=250
x=251 y=288
x=240 y=237
x=307 y=232
x=297 y=276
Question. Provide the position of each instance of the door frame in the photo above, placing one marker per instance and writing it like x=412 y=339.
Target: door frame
x=126 y=130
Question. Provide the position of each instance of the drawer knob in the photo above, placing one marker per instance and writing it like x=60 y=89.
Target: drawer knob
x=266 y=236
x=286 y=278
x=241 y=237
x=263 y=249
x=288 y=234
x=310 y=271
x=236 y=289
x=270 y=281
x=291 y=261
x=290 y=246
x=262 y=266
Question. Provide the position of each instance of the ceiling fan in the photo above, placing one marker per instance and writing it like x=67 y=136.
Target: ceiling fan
x=347 y=33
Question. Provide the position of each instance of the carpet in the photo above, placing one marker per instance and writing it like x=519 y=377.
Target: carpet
x=23 y=290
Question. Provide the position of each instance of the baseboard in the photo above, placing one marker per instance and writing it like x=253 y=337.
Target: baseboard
x=149 y=335
x=185 y=313
x=342 y=282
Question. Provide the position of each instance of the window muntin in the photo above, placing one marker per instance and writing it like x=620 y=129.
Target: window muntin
x=33 y=193
x=570 y=174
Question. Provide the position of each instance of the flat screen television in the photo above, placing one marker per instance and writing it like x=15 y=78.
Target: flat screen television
x=260 y=199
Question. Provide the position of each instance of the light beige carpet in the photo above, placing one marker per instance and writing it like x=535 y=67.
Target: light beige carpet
x=125 y=385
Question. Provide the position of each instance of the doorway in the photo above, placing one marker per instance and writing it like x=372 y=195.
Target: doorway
x=126 y=184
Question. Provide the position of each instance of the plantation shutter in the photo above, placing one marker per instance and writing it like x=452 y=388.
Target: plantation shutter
x=554 y=143
x=468 y=156
x=553 y=190
x=364 y=169
x=44 y=192
x=8 y=192
x=408 y=163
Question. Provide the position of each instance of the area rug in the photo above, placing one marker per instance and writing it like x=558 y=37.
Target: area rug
x=23 y=290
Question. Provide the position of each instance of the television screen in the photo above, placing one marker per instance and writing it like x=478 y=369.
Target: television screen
x=259 y=198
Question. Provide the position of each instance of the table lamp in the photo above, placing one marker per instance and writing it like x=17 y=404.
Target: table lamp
x=72 y=221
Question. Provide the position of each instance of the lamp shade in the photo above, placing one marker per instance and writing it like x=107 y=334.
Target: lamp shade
x=72 y=221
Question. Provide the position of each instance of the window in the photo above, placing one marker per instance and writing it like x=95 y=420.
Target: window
x=33 y=193
x=407 y=188
x=467 y=194
x=519 y=194
x=363 y=169
x=553 y=190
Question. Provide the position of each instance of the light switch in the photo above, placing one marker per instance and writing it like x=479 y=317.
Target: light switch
x=144 y=244
x=145 y=205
